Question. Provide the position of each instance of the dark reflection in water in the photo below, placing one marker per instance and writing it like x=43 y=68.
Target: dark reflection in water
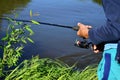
x=98 y=1
x=52 y=41
x=7 y=6
x=81 y=59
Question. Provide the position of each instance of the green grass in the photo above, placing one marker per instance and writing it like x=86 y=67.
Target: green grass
x=49 y=69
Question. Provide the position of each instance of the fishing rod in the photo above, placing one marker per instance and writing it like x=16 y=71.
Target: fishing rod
x=76 y=28
x=81 y=44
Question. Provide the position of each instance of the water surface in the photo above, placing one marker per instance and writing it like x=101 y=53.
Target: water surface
x=53 y=41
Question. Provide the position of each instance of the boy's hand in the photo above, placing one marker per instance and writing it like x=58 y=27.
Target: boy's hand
x=98 y=48
x=83 y=30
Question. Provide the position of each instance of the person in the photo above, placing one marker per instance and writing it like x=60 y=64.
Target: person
x=108 y=34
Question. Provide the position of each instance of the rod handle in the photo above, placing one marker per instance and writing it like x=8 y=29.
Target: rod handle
x=76 y=28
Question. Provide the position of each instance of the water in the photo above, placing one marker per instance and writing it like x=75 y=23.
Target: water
x=50 y=41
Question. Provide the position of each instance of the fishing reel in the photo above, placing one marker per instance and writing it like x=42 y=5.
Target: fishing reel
x=83 y=44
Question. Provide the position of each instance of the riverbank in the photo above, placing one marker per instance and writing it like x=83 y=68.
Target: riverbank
x=81 y=59
x=54 y=69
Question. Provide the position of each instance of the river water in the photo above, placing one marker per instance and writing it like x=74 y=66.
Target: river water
x=51 y=41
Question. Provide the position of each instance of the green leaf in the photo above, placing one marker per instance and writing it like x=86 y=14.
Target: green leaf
x=29 y=29
x=11 y=26
x=23 y=40
x=11 y=20
x=16 y=15
x=8 y=45
x=6 y=37
x=12 y=33
x=35 y=22
x=31 y=13
x=20 y=23
x=18 y=54
x=12 y=39
x=19 y=49
x=30 y=40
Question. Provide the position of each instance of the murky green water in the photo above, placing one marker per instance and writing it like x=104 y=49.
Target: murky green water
x=52 y=41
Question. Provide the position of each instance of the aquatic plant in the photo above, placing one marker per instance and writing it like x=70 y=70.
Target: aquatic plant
x=49 y=69
x=18 y=33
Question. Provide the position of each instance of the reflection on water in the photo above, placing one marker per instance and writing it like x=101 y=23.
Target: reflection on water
x=98 y=1
x=53 y=41
x=7 y=6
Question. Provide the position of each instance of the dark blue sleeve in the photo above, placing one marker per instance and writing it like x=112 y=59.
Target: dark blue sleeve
x=111 y=30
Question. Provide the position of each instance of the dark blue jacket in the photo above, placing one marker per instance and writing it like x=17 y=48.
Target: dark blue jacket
x=109 y=32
